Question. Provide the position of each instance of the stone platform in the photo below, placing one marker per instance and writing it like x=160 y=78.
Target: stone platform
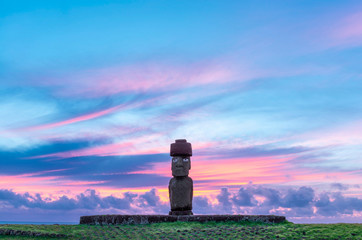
x=145 y=219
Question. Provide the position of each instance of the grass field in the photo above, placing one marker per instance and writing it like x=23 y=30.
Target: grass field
x=183 y=230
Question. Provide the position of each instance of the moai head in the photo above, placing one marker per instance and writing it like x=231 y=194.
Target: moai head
x=181 y=152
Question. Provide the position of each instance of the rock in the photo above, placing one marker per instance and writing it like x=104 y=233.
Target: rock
x=181 y=148
x=180 y=166
x=181 y=186
x=178 y=213
x=181 y=191
x=145 y=219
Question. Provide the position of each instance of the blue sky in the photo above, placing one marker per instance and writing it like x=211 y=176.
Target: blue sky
x=268 y=93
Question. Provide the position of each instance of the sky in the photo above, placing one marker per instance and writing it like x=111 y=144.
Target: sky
x=92 y=94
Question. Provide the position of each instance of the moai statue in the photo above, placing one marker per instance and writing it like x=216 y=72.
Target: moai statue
x=180 y=187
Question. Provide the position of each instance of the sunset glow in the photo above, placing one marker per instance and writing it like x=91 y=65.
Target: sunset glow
x=92 y=94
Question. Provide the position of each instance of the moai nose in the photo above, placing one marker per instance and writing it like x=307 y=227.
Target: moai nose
x=179 y=163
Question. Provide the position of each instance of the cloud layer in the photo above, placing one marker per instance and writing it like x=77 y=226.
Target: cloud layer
x=267 y=94
x=298 y=204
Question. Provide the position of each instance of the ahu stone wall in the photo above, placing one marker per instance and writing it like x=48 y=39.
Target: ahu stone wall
x=146 y=219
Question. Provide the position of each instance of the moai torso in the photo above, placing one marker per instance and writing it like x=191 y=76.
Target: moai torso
x=181 y=186
x=181 y=191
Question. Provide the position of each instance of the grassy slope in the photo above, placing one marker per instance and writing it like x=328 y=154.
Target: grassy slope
x=182 y=230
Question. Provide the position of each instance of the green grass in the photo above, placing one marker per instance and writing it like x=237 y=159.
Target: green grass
x=194 y=230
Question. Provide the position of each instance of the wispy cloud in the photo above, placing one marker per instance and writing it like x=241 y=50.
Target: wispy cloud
x=149 y=77
x=348 y=30
x=269 y=97
x=73 y=120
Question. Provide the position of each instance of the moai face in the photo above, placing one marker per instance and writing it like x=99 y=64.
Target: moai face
x=180 y=151
x=180 y=166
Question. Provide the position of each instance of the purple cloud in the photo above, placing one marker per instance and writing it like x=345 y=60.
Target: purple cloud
x=295 y=203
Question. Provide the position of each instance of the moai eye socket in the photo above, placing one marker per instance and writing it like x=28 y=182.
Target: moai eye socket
x=185 y=159
x=174 y=159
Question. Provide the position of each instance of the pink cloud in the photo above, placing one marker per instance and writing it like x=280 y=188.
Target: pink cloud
x=50 y=186
x=259 y=170
x=345 y=31
x=159 y=77
x=138 y=78
x=237 y=171
x=104 y=150
x=135 y=146
x=86 y=117
x=346 y=134
x=350 y=27
x=72 y=120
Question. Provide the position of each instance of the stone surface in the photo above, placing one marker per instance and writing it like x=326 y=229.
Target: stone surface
x=177 y=213
x=146 y=219
x=181 y=148
x=180 y=187
x=181 y=193
x=180 y=166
